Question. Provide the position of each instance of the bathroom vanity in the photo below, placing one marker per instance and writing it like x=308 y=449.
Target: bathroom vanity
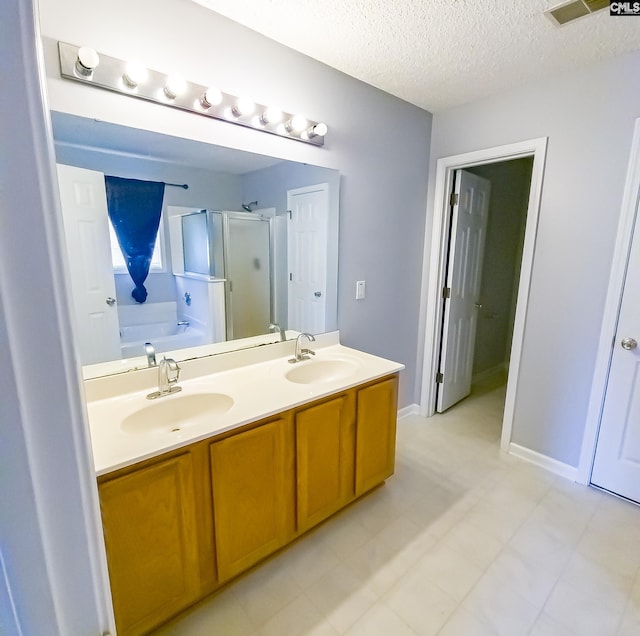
x=190 y=501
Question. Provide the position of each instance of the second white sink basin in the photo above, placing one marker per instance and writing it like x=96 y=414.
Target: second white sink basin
x=312 y=371
x=173 y=413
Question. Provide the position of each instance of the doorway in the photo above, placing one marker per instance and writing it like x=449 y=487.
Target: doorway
x=488 y=217
x=436 y=252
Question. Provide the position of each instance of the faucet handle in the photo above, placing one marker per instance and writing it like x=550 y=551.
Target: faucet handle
x=172 y=366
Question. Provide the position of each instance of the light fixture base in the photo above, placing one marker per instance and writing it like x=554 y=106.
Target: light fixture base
x=110 y=72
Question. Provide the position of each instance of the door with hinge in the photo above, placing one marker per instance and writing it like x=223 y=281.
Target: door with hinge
x=470 y=207
x=617 y=460
x=86 y=228
x=307 y=257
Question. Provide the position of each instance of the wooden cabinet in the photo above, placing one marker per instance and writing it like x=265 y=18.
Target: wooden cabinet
x=178 y=526
x=375 y=433
x=252 y=475
x=324 y=458
x=149 y=519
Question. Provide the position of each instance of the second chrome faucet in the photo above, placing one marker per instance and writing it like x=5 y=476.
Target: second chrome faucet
x=300 y=353
x=168 y=374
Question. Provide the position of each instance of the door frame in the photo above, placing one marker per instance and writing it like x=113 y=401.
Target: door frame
x=624 y=236
x=435 y=260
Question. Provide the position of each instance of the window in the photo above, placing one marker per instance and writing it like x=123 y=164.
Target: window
x=117 y=259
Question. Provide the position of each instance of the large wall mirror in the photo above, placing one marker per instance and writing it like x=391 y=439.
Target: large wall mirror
x=250 y=243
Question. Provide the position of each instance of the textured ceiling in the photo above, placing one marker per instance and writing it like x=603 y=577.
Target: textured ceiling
x=436 y=53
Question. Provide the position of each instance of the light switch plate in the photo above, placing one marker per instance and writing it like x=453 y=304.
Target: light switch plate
x=360 y=289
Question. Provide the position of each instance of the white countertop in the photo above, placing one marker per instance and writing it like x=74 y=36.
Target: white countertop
x=258 y=390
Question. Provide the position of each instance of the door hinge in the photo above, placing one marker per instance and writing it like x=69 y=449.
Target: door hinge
x=454 y=198
x=446 y=292
x=439 y=378
x=290 y=213
x=290 y=276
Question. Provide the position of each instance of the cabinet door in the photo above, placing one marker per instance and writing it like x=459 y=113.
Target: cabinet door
x=375 y=433
x=324 y=459
x=252 y=507
x=149 y=521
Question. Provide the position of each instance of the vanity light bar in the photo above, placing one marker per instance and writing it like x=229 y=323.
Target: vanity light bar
x=83 y=64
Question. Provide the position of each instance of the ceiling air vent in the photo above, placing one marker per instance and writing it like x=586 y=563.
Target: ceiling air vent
x=569 y=11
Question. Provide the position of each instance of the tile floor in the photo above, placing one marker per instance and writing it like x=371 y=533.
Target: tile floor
x=462 y=541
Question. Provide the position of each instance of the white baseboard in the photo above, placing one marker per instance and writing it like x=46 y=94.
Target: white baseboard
x=412 y=409
x=544 y=461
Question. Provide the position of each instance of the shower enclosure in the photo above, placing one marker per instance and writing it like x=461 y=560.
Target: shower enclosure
x=236 y=247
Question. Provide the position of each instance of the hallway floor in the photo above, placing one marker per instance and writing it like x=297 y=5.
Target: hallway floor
x=462 y=541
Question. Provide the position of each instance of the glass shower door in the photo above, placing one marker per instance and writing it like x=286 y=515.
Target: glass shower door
x=248 y=272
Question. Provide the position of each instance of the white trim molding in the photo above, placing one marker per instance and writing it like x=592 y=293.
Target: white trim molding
x=411 y=409
x=630 y=200
x=435 y=262
x=544 y=461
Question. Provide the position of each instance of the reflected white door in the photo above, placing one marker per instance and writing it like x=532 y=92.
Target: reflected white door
x=464 y=274
x=617 y=461
x=307 y=257
x=86 y=228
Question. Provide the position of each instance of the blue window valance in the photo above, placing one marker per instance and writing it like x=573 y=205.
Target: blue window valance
x=135 y=208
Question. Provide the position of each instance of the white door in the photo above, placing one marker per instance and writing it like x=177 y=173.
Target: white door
x=462 y=292
x=86 y=228
x=617 y=462
x=307 y=257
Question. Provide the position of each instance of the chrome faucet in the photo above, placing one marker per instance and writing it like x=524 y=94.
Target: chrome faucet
x=168 y=374
x=300 y=353
x=274 y=326
x=151 y=354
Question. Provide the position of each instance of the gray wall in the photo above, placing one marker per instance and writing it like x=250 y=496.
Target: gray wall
x=510 y=181
x=378 y=142
x=588 y=117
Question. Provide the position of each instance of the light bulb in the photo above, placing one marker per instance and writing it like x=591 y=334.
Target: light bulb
x=318 y=130
x=321 y=129
x=86 y=61
x=271 y=115
x=244 y=106
x=176 y=85
x=211 y=97
x=135 y=73
x=297 y=124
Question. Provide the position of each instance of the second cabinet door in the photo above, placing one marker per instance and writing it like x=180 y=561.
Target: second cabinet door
x=251 y=475
x=324 y=459
x=376 y=433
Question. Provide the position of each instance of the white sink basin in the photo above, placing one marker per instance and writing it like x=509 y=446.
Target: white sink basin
x=173 y=413
x=312 y=371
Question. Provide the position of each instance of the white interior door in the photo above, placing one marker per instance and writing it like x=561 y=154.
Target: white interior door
x=86 y=228
x=307 y=257
x=462 y=295
x=617 y=461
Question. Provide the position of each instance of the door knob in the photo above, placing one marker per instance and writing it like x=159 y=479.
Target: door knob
x=478 y=305
x=317 y=294
x=628 y=343
x=111 y=301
